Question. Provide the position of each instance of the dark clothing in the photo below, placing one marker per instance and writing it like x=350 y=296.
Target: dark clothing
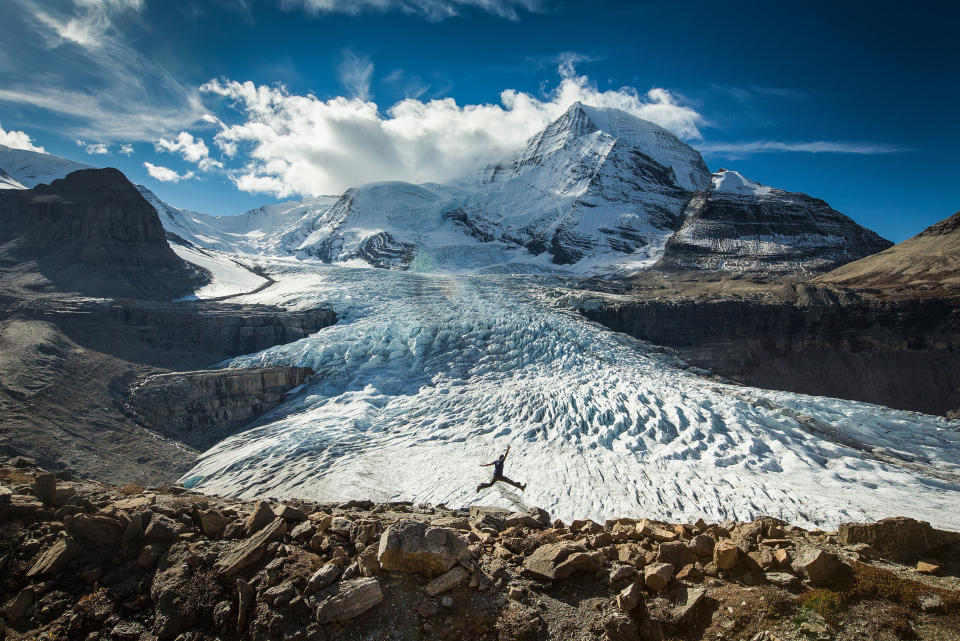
x=498 y=466
x=500 y=477
x=498 y=474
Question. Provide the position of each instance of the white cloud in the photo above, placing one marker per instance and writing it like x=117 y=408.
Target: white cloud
x=165 y=174
x=18 y=140
x=90 y=21
x=126 y=149
x=814 y=147
x=93 y=148
x=300 y=144
x=86 y=68
x=429 y=9
x=355 y=73
x=192 y=149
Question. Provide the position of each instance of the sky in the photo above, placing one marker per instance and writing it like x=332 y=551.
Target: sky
x=223 y=105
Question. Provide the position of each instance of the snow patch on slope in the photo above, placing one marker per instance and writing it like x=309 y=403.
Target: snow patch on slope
x=733 y=182
x=31 y=168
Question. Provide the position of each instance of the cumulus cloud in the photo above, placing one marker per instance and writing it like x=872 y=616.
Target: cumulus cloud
x=126 y=149
x=165 y=174
x=814 y=147
x=86 y=68
x=429 y=9
x=18 y=140
x=93 y=148
x=301 y=145
x=192 y=149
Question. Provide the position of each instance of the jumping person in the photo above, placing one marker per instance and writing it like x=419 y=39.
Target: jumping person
x=498 y=473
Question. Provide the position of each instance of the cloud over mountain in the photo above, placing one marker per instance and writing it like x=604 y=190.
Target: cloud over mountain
x=299 y=144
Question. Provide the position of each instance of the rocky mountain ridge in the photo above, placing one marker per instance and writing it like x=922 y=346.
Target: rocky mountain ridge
x=91 y=232
x=133 y=563
x=597 y=192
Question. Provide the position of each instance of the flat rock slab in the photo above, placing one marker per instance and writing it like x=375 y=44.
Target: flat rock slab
x=351 y=599
x=55 y=558
x=447 y=581
x=252 y=549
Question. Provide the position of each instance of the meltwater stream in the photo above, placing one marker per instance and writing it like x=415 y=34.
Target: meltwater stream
x=428 y=375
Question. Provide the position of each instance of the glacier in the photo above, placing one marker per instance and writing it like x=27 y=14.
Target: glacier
x=429 y=374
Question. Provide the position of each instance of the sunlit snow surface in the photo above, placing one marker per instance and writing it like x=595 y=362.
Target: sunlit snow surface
x=427 y=376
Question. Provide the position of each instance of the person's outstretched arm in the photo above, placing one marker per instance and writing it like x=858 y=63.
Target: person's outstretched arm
x=507 y=452
x=486 y=464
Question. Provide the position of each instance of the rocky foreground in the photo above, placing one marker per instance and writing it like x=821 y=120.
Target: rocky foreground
x=85 y=560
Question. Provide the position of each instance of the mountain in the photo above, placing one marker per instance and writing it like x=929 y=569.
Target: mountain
x=737 y=225
x=263 y=230
x=927 y=263
x=91 y=232
x=21 y=169
x=597 y=192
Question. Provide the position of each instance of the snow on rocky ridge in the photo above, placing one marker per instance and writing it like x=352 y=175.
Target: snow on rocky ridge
x=597 y=192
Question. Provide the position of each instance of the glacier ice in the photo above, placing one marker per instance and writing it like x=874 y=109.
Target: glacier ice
x=427 y=375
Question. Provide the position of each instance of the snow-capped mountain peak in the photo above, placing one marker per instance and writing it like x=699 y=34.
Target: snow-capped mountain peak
x=733 y=182
x=606 y=125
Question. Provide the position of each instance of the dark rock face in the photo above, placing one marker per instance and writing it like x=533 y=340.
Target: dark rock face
x=177 y=335
x=772 y=231
x=202 y=407
x=92 y=232
x=903 y=354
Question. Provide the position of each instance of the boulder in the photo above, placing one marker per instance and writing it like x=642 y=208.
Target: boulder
x=14 y=610
x=630 y=597
x=290 y=513
x=303 y=532
x=686 y=600
x=251 y=549
x=44 y=487
x=897 y=538
x=782 y=579
x=55 y=558
x=174 y=611
x=545 y=560
x=702 y=545
x=341 y=525
x=448 y=580
x=262 y=515
x=245 y=599
x=927 y=567
x=726 y=554
x=96 y=528
x=135 y=503
x=675 y=553
x=161 y=528
x=818 y=566
x=351 y=599
x=412 y=546
x=322 y=578
x=656 y=576
x=280 y=595
x=212 y=523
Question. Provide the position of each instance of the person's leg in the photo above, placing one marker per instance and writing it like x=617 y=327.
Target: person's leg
x=522 y=486
x=484 y=486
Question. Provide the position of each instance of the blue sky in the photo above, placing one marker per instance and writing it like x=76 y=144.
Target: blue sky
x=223 y=105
